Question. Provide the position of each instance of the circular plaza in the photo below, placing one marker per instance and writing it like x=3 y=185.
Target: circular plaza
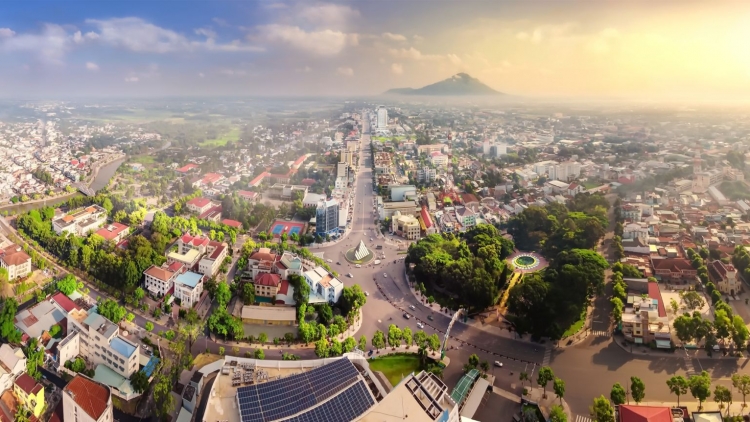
x=527 y=261
x=359 y=255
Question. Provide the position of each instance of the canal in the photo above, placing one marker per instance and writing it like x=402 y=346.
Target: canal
x=102 y=180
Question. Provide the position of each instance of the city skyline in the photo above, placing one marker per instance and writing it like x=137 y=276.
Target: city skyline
x=574 y=49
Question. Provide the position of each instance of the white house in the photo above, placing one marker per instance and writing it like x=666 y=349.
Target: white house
x=324 y=284
x=215 y=254
x=188 y=288
x=85 y=400
x=15 y=261
x=12 y=364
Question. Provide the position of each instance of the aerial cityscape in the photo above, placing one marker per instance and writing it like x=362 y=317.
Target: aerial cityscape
x=374 y=211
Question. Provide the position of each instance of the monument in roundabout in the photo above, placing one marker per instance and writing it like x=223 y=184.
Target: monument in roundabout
x=359 y=255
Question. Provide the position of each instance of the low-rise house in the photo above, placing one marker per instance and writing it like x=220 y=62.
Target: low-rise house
x=466 y=217
x=644 y=319
x=674 y=270
x=267 y=285
x=113 y=232
x=269 y=315
x=81 y=221
x=15 y=261
x=29 y=393
x=85 y=400
x=160 y=280
x=188 y=288
x=36 y=320
x=215 y=254
x=12 y=364
x=323 y=284
x=199 y=205
x=262 y=261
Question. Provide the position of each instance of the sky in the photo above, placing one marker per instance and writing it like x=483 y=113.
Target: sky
x=651 y=50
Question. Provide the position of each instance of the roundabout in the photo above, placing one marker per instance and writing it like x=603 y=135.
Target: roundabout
x=527 y=261
x=359 y=255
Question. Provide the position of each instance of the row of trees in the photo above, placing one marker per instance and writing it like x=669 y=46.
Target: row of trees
x=698 y=385
x=471 y=269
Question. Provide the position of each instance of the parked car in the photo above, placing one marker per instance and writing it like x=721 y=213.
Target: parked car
x=358 y=266
x=385 y=275
x=350 y=275
x=367 y=293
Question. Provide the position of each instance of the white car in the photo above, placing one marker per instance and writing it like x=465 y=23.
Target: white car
x=350 y=275
x=367 y=293
x=412 y=307
x=498 y=364
x=358 y=266
x=420 y=325
x=385 y=275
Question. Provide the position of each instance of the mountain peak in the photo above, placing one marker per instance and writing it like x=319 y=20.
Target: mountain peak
x=458 y=84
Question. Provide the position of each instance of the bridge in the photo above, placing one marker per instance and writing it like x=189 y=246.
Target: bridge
x=86 y=190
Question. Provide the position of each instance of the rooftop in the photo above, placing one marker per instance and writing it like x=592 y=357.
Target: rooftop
x=89 y=395
x=123 y=347
x=269 y=313
x=189 y=279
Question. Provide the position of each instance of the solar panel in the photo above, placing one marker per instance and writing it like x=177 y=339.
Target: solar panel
x=282 y=398
x=347 y=406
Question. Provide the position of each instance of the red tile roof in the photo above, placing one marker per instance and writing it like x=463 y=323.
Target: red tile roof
x=673 y=264
x=247 y=194
x=654 y=293
x=284 y=288
x=175 y=266
x=187 y=167
x=14 y=255
x=199 y=202
x=111 y=231
x=299 y=161
x=27 y=384
x=89 y=395
x=426 y=219
x=231 y=223
x=64 y=302
x=262 y=256
x=268 y=279
x=630 y=413
x=159 y=273
x=258 y=179
x=211 y=178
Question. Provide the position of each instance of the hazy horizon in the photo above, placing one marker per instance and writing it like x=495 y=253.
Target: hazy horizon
x=568 y=51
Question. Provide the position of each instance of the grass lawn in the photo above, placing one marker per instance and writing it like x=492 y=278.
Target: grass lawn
x=591 y=185
x=232 y=135
x=143 y=159
x=396 y=367
x=576 y=326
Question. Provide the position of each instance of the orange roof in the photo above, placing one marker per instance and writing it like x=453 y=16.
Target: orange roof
x=159 y=273
x=27 y=384
x=89 y=395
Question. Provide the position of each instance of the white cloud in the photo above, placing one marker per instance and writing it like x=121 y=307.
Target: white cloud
x=547 y=32
x=208 y=33
x=327 y=15
x=201 y=75
x=50 y=45
x=219 y=21
x=322 y=43
x=306 y=69
x=132 y=79
x=92 y=66
x=397 y=69
x=393 y=37
x=413 y=54
x=345 y=71
x=418 y=38
x=523 y=36
x=601 y=43
x=232 y=72
x=454 y=59
x=137 y=35
x=6 y=32
x=273 y=6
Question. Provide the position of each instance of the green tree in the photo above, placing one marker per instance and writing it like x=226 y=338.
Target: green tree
x=363 y=343
x=394 y=335
x=149 y=326
x=618 y=394
x=259 y=354
x=678 y=386
x=349 y=344
x=378 y=340
x=722 y=395
x=742 y=384
x=322 y=348
x=262 y=338
x=130 y=317
x=407 y=336
x=559 y=387
x=162 y=395
x=557 y=414
x=637 y=389
x=523 y=377
x=139 y=381
x=68 y=284
x=248 y=293
x=433 y=341
x=544 y=377
x=602 y=410
x=700 y=387
x=109 y=309
x=739 y=332
x=222 y=295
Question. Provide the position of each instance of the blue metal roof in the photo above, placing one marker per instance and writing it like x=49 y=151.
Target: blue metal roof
x=189 y=279
x=122 y=347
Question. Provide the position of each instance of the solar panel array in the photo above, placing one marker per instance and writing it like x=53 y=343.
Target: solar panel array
x=280 y=399
x=345 y=407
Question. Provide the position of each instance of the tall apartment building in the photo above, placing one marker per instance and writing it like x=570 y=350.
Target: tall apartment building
x=327 y=218
x=426 y=175
x=85 y=400
x=382 y=121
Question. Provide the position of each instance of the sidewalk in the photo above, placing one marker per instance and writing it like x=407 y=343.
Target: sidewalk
x=679 y=352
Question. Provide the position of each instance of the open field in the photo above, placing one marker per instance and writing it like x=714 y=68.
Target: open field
x=395 y=367
x=231 y=136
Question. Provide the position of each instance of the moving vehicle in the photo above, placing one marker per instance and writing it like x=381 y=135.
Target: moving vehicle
x=498 y=364
x=330 y=261
x=412 y=307
x=338 y=263
x=358 y=266
x=385 y=275
x=430 y=317
x=367 y=293
x=407 y=316
x=420 y=325
x=379 y=247
x=377 y=262
x=350 y=275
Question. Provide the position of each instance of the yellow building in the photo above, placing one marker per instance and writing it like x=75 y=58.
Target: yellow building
x=269 y=315
x=29 y=393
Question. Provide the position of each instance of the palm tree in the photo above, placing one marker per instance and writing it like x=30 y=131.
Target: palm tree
x=485 y=366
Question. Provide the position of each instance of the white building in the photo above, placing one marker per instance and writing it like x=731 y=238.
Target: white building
x=188 y=288
x=215 y=254
x=324 y=284
x=12 y=364
x=98 y=339
x=15 y=261
x=85 y=400
x=160 y=280
x=426 y=175
x=438 y=159
x=382 y=119
x=81 y=221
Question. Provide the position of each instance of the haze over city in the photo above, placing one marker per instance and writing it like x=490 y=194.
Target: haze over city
x=612 y=50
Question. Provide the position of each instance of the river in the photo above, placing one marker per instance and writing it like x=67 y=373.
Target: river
x=102 y=180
